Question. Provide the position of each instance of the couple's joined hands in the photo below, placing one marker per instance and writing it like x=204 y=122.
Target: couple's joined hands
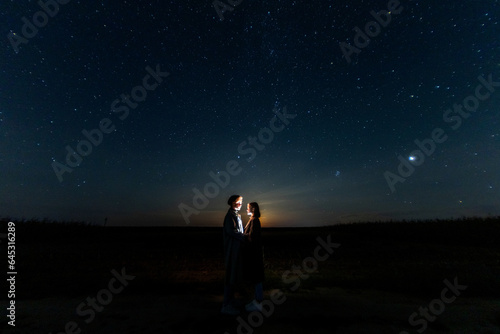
x=247 y=237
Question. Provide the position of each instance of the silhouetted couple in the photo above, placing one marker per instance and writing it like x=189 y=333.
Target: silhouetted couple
x=243 y=255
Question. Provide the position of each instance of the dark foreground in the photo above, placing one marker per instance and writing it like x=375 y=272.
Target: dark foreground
x=441 y=276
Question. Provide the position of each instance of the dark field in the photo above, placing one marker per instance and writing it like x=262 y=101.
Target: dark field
x=379 y=275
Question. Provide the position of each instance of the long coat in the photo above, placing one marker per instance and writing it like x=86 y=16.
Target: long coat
x=233 y=238
x=253 y=258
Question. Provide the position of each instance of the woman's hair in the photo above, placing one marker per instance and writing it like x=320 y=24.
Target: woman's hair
x=256 y=209
x=232 y=199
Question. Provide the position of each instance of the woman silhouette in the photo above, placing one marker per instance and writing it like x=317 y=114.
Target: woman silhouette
x=253 y=256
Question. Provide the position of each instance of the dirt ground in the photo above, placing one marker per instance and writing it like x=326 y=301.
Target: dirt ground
x=322 y=310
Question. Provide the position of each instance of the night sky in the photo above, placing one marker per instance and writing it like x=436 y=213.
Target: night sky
x=173 y=97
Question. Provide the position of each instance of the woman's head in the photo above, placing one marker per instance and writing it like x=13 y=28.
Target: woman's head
x=235 y=202
x=254 y=209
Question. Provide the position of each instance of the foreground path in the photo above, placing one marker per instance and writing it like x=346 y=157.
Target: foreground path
x=323 y=310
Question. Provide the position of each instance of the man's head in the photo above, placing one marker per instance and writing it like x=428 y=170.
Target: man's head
x=235 y=202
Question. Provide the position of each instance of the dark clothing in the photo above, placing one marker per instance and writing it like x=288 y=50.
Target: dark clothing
x=233 y=238
x=253 y=258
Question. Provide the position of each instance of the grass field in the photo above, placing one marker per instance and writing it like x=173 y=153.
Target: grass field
x=373 y=281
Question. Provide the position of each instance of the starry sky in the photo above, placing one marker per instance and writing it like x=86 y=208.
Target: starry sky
x=282 y=102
